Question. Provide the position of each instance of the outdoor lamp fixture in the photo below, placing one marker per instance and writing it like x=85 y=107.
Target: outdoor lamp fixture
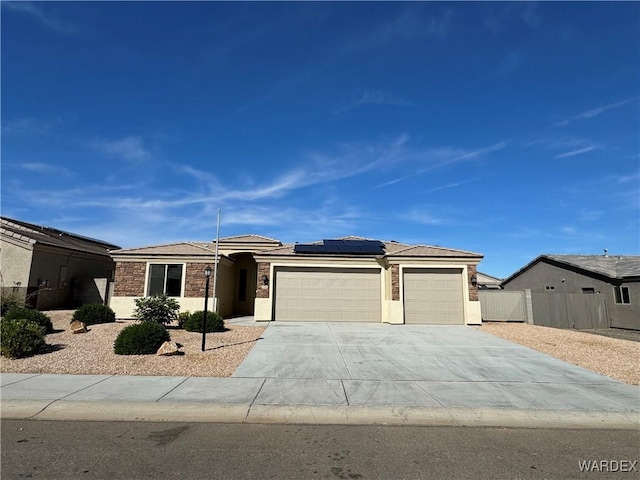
x=474 y=280
x=265 y=280
x=207 y=274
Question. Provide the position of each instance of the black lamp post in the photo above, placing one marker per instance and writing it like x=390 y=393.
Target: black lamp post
x=207 y=274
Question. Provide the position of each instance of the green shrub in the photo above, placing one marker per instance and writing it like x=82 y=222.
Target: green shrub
x=35 y=316
x=20 y=338
x=183 y=317
x=215 y=323
x=94 y=313
x=141 y=339
x=8 y=302
x=157 y=308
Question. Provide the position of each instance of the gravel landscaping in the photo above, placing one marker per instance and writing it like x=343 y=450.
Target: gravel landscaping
x=91 y=353
x=614 y=357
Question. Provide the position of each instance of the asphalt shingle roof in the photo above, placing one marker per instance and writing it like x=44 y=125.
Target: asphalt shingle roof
x=612 y=266
x=178 y=248
x=391 y=248
x=37 y=234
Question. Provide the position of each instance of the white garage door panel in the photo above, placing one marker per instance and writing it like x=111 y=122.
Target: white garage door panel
x=433 y=296
x=327 y=295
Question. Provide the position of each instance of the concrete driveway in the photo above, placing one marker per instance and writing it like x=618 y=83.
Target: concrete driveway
x=450 y=366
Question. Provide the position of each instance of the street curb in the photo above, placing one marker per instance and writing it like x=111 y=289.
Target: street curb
x=314 y=414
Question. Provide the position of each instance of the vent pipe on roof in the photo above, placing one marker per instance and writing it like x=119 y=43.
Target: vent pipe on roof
x=606 y=252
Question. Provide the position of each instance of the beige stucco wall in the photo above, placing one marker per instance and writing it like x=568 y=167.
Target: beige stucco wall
x=48 y=264
x=30 y=264
x=15 y=267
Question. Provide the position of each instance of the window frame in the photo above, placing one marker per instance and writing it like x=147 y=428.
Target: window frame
x=165 y=278
x=619 y=295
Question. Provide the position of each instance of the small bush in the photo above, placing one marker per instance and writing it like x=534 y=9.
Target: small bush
x=157 y=308
x=20 y=338
x=183 y=317
x=94 y=313
x=8 y=302
x=141 y=339
x=215 y=323
x=35 y=316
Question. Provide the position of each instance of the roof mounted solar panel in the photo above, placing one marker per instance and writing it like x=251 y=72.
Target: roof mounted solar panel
x=342 y=247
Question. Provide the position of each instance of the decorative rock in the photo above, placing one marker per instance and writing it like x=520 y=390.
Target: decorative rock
x=170 y=348
x=78 y=327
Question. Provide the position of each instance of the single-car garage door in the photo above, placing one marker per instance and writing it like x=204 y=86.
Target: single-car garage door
x=433 y=296
x=327 y=294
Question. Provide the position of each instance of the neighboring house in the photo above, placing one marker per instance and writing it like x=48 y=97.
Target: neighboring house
x=348 y=279
x=616 y=278
x=51 y=267
x=487 y=282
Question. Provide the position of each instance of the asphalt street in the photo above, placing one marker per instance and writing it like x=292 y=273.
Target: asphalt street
x=40 y=449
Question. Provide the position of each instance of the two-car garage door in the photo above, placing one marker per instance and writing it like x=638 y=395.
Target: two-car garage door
x=327 y=294
x=432 y=296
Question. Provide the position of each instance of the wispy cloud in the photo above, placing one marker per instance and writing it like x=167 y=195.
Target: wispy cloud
x=595 y=112
x=42 y=15
x=375 y=97
x=441 y=157
x=28 y=125
x=46 y=168
x=424 y=217
x=451 y=185
x=130 y=148
x=573 y=153
x=503 y=17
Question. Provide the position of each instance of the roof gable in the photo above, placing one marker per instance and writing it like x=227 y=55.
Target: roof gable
x=249 y=238
x=169 y=249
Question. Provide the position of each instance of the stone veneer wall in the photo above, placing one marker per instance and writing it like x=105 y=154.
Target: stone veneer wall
x=263 y=290
x=129 y=279
x=395 y=282
x=473 y=289
x=195 y=280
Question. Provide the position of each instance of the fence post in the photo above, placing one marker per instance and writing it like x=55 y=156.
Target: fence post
x=528 y=305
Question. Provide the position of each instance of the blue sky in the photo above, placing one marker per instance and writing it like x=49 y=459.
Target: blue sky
x=509 y=129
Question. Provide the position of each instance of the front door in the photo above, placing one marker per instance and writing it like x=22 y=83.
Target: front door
x=246 y=272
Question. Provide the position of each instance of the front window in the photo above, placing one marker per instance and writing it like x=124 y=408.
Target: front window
x=621 y=294
x=165 y=278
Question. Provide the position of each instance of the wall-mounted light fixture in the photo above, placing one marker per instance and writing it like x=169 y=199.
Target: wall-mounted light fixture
x=474 y=280
x=265 y=280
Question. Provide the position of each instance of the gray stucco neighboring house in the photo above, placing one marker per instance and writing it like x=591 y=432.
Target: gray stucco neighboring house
x=616 y=277
x=52 y=267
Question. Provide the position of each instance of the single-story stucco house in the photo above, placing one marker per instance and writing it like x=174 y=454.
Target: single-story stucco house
x=52 y=268
x=615 y=277
x=351 y=279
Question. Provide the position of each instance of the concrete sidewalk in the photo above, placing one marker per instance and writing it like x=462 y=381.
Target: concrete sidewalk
x=349 y=374
x=260 y=400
